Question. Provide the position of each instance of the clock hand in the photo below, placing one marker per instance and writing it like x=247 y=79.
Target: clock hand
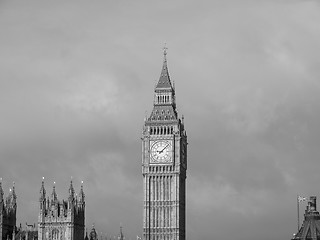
x=163 y=148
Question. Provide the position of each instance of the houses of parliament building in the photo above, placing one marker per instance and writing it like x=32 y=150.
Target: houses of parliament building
x=57 y=220
x=164 y=165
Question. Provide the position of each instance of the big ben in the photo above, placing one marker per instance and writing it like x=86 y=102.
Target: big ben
x=164 y=165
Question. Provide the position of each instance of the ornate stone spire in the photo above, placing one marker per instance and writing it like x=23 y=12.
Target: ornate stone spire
x=81 y=194
x=1 y=191
x=164 y=97
x=42 y=191
x=14 y=196
x=164 y=80
x=54 y=194
x=71 y=191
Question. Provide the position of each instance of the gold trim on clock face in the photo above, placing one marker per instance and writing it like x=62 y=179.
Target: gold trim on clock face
x=161 y=152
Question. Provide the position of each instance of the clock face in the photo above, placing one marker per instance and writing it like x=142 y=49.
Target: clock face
x=161 y=152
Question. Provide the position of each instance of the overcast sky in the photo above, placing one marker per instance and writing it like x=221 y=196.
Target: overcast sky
x=77 y=78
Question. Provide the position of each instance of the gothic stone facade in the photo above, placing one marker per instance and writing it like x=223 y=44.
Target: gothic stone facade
x=63 y=220
x=164 y=165
x=8 y=212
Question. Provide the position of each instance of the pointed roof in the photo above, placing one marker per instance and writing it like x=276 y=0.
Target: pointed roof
x=42 y=190
x=1 y=191
x=14 y=196
x=71 y=190
x=311 y=223
x=81 y=194
x=164 y=106
x=54 y=194
x=164 y=80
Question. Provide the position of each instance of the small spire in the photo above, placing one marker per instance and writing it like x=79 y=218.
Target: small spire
x=1 y=191
x=165 y=51
x=14 y=196
x=81 y=194
x=164 y=81
x=121 y=234
x=54 y=194
x=71 y=191
x=42 y=191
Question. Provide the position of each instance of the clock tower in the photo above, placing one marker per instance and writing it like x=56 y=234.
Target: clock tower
x=164 y=165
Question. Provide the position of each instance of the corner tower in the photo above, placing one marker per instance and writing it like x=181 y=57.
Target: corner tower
x=164 y=165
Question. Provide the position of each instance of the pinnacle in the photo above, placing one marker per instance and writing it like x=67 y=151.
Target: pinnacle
x=164 y=80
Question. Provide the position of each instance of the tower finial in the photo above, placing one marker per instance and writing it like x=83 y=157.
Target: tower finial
x=165 y=51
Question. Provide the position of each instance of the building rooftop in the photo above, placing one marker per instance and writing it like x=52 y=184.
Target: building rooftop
x=310 y=228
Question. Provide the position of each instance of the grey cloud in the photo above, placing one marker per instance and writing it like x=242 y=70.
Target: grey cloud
x=77 y=78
